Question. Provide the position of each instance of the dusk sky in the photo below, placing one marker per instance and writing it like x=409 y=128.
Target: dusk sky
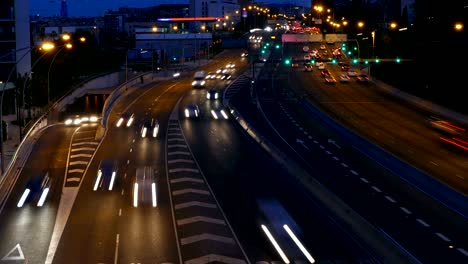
x=92 y=8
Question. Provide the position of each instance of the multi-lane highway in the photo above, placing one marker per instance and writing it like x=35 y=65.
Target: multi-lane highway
x=203 y=191
x=429 y=230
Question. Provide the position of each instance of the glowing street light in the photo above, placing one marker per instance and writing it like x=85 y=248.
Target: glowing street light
x=360 y=24
x=82 y=39
x=458 y=26
x=66 y=37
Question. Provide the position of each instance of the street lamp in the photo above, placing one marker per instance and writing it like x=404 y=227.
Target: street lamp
x=2 y=157
x=68 y=46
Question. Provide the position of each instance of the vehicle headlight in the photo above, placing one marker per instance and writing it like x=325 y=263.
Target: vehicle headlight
x=68 y=122
x=93 y=119
x=77 y=121
x=208 y=96
x=203 y=83
x=194 y=83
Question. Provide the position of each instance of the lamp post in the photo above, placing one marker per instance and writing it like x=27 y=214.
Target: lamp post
x=68 y=46
x=2 y=157
x=29 y=75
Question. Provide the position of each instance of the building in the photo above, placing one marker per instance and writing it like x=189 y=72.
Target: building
x=15 y=44
x=227 y=9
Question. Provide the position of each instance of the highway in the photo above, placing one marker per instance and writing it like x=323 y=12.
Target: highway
x=426 y=228
x=217 y=192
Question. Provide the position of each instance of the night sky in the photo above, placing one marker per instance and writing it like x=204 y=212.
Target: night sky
x=91 y=8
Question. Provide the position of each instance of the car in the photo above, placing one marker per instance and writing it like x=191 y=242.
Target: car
x=307 y=57
x=36 y=190
x=294 y=65
x=212 y=94
x=305 y=48
x=225 y=76
x=230 y=65
x=308 y=67
x=219 y=113
x=320 y=65
x=325 y=73
x=244 y=54
x=192 y=110
x=457 y=142
x=210 y=76
x=81 y=119
x=144 y=187
x=362 y=78
x=447 y=128
x=352 y=73
x=150 y=127
x=106 y=175
x=323 y=47
x=345 y=67
x=125 y=118
x=176 y=74
x=222 y=70
x=330 y=79
x=344 y=78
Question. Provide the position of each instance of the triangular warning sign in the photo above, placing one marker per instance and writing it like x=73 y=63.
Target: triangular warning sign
x=15 y=254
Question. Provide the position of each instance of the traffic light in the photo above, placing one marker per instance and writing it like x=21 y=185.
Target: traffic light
x=263 y=51
x=349 y=52
x=277 y=46
x=268 y=44
x=366 y=62
x=287 y=61
x=355 y=48
x=355 y=61
x=397 y=60
x=334 y=61
x=312 y=61
x=377 y=60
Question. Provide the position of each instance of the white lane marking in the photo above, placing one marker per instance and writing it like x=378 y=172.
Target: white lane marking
x=306 y=133
x=390 y=199
x=128 y=161
x=80 y=156
x=133 y=141
x=190 y=190
x=376 y=189
x=309 y=137
x=315 y=141
x=74 y=179
x=344 y=165
x=174 y=134
x=184 y=170
x=176 y=139
x=205 y=236
x=116 y=254
x=322 y=147
x=14 y=254
x=328 y=152
x=180 y=160
x=443 y=237
x=422 y=222
x=83 y=139
x=213 y=258
x=194 y=203
x=464 y=252
x=131 y=149
x=81 y=149
x=186 y=179
x=300 y=128
x=405 y=210
x=77 y=162
x=275 y=244
x=177 y=146
x=76 y=170
x=364 y=180
x=122 y=192
x=296 y=124
x=85 y=143
x=459 y=176
x=434 y=163
x=299 y=244
x=195 y=219
x=178 y=152
x=120 y=212
x=174 y=128
x=335 y=158
x=354 y=172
